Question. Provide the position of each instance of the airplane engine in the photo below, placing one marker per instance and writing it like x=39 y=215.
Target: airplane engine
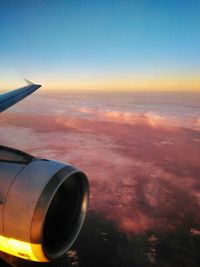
x=43 y=204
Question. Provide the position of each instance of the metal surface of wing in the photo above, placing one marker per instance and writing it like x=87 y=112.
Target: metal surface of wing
x=9 y=99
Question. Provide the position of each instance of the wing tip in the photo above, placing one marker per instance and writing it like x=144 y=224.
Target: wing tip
x=28 y=82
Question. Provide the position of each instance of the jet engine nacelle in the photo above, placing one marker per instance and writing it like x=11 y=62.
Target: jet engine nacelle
x=43 y=204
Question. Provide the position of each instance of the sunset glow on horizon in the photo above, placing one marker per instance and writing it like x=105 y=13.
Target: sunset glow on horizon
x=118 y=84
x=137 y=84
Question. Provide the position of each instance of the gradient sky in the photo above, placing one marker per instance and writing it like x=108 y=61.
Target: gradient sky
x=104 y=45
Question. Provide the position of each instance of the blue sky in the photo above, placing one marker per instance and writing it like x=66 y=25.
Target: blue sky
x=91 y=42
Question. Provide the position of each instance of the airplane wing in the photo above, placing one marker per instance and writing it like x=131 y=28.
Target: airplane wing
x=11 y=98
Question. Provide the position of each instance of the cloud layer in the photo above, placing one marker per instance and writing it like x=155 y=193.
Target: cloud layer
x=143 y=167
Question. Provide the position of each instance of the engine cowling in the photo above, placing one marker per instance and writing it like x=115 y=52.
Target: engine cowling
x=43 y=204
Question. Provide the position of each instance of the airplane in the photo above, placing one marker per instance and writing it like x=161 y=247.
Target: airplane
x=43 y=203
x=9 y=99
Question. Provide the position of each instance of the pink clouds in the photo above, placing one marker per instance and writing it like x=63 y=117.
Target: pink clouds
x=143 y=168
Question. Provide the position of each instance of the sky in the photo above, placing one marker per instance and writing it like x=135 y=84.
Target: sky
x=101 y=45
